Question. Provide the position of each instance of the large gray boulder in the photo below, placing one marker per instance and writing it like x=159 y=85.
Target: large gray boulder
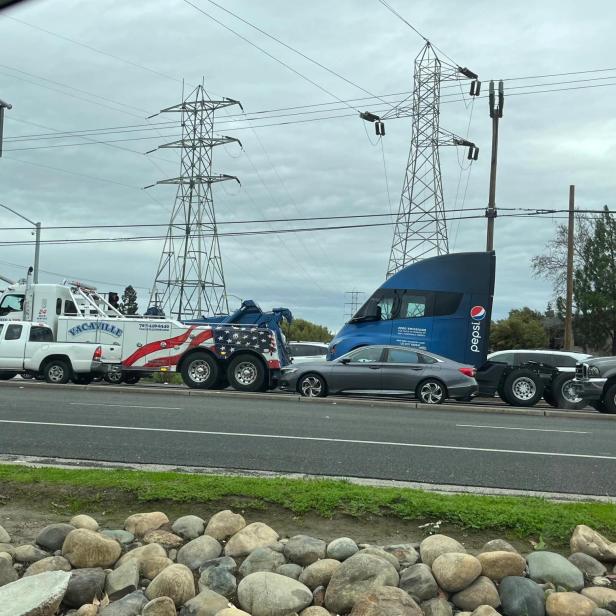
x=176 y=582
x=386 y=601
x=219 y=579
x=418 y=581
x=84 y=586
x=206 y=603
x=37 y=595
x=123 y=580
x=52 y=536
x=357 y=575
x=319 y=573
x=7 y=572
x=198 y=551
x=588 y=565
x=589 y=541
x=51 y=563
x=406 y=554
x=521 y=597
x=551 y=567
x=341 y=548
x=130 y=605
x=304 y=550
x=261 y=559
x=270 y=594
x=224 y=524
x=481 y=592
x=189 y=526
x=253 y=536
x=437 y=607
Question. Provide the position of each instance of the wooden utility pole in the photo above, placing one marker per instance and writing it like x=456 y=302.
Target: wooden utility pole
x=568 y=342
x=496 y=113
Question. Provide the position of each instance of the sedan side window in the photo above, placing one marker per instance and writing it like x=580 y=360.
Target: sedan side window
x=402 y=356
x=367 y=355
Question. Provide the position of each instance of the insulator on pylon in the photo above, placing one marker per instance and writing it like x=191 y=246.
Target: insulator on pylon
x=475 y=88
x=379 y=128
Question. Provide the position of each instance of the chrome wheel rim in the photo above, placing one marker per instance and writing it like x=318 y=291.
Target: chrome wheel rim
x=431 y=393
x=199 y=371
x=114 y=377
x=56 y=373
x=569 y=392
x=312 y=387
x=524 y=388
x=245 y=373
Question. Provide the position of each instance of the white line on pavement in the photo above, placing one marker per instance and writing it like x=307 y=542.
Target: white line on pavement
x=308 y=438
x=525 y=429
x=126 y=406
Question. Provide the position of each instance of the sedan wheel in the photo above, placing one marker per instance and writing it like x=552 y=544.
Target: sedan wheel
x=431 y=392
x=312 y=386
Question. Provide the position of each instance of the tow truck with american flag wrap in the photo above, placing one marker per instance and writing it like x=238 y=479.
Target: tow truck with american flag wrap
x=208 y=356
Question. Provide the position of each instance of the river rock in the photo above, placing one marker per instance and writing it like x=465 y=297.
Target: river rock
x=85 y=548
x=436 y=607
x=163 y=537
x=357 y=575
x=89 y=609
x=52 y=536
x=224 y=562
x=121 y=536
x=29 y=554
x=189 y=526
x=454 y=572
x=7 y=572
x=381 y=553
x=319 y=573
x=418 y=582
x=386 y=601
x=140 y=523
x=37 y=595
x=84 y=521
x=304 y=550
x=232 y=611
x=161 y=606
x=435 y=545
x=313 y=610
x=568 y=604
x=599 y=611
x=551 y=567
x=4 y=536
x=6 y=556
x=130 y=605
x=253 y=536
x=225 y=524
x=481 y=592
x=261 y=559
x=51 y=563
x=498 y=545
x=7 y=548
x=485 y=610
x=589 y=541
x=341 y=548
x=123 y=580
x=206 y=603
x=84 y=586
x=219 y=579
x=175 y=581
x=290 y=570
x=603 y=597
x=198 y=551
x=588 y=565
x=406 y=554
x=500 y=563
x=521 y=597
x=270 y=594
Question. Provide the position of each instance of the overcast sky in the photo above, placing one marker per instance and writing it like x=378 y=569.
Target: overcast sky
x=323 y=168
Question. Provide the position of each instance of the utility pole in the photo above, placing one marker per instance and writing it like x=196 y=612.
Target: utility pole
x=568 y=344
x=496 y=113
x=3 y=106
x=190 y=271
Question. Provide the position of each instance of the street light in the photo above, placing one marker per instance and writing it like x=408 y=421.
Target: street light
x=37 y=245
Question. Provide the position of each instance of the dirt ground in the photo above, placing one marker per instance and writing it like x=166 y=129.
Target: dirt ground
x=24 y=511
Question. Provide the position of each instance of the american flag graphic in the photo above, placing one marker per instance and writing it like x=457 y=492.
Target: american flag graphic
x=229 y=339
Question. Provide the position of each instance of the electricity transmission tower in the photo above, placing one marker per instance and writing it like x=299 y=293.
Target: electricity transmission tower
x=351 y=306
x=190 y=280
x=421 y=225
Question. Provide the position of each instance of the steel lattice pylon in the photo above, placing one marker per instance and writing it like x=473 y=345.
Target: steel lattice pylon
x=421 y=228
x=190 y=280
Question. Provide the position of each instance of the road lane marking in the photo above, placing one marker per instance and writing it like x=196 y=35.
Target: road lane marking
x=525 y=429
x=307 y=438
x=127 y=406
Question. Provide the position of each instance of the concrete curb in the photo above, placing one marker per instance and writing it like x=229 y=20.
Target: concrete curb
x=338 y=401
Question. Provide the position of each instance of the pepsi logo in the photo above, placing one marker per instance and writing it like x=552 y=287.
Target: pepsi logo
x=478 y=313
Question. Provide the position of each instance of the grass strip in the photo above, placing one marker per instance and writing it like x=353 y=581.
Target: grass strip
x=524 y=517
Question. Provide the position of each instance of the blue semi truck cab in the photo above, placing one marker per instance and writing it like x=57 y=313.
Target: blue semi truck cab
x=442 y=304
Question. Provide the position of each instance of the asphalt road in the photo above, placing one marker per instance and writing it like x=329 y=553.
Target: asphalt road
x=574 y=455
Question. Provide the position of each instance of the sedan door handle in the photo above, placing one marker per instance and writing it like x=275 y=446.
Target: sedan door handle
x=415 y=368
x=374 y=367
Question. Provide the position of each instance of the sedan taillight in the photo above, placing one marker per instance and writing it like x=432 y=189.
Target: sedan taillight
x=470 y=372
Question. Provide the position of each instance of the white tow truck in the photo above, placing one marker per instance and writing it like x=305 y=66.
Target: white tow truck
x=246 y=357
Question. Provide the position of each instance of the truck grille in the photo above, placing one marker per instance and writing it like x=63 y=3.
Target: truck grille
x=581 y=372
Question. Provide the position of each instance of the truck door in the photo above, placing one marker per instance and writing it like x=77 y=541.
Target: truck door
x=40 y=335
x=412 y=324
x=13 y=346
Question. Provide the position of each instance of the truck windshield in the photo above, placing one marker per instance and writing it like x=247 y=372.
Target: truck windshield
x=11 y=303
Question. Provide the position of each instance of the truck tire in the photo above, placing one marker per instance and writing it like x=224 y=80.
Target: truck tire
x=82 y=379
x=548 y=396
x=598 y=405
x=565 y=395
x=246 y=373
x=131 y=379
x=200 y=371
x=609 y=400
x=57 y=371
x=5 y=376
x=523 y=387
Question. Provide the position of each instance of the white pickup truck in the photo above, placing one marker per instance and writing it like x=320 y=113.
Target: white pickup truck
x=30 y=348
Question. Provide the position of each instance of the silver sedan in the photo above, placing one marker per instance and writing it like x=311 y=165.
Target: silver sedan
x=383 y=370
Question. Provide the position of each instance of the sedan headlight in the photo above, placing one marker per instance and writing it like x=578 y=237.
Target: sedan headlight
x=594 y=371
